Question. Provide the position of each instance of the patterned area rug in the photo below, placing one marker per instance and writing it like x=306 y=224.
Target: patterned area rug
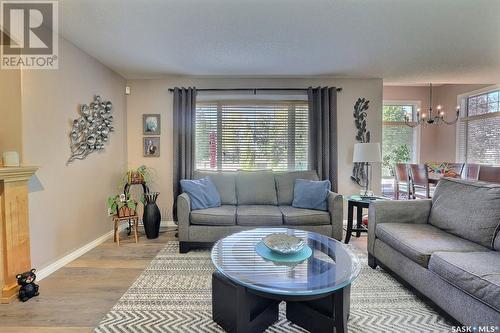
x=173 y=294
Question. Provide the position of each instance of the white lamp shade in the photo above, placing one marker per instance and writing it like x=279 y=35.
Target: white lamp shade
x=366 y=152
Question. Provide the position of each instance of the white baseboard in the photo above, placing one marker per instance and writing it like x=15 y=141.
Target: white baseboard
x=51 y=268
x=163 y=223
x=168 y=224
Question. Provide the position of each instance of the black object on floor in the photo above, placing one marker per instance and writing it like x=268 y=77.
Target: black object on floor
x=151 y=217
x=28 y=288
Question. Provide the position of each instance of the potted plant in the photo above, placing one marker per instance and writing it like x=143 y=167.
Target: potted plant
x=140 y=175
x=121 y=205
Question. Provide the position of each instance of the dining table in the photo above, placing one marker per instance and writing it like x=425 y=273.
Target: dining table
x=434 y=178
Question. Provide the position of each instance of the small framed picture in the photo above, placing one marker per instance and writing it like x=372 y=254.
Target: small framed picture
x=151 y=124
x=151 y=146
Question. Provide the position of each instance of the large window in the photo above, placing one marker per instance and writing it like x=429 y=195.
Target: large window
x=479 y=129
x=232 y=135
x=399 y=142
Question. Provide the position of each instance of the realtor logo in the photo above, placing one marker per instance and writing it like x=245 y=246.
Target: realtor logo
x=29 y=37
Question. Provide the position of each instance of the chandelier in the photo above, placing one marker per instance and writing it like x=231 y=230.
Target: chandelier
x=424 y=119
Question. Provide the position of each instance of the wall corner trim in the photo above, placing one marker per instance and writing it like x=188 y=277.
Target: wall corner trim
x=51 y=268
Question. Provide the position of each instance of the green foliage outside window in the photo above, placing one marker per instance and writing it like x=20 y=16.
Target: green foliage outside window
x=397 y=137
x=401 y=154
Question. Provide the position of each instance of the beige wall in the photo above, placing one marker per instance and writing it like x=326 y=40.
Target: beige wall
x=437 y=143
x=446 y=135
x=152 y=96
x=428 y=135
x=67 y=203
x=10 y=111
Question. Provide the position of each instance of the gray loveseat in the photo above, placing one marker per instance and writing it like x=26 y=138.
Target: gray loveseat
x=253 y=199
x=447 y=248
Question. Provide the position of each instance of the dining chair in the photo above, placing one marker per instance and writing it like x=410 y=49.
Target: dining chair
x=471 y=171
x=454 y=170
x=489 y=173
x=401 y=180
x=420 y=186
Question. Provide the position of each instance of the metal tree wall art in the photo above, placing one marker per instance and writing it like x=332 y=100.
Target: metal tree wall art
x=92 y=129
x=362 y=135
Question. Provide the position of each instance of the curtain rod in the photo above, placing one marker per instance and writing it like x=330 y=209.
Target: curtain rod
x=254 y=89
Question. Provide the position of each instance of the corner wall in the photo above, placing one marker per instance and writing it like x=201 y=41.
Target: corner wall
x=68 y=203
x=437 y=143
x=152 y=96
x=10 y=111
x=446 y=135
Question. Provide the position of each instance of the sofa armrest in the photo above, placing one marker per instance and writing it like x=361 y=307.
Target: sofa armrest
x=183 y=213
x=336 y=210
x=397 y=211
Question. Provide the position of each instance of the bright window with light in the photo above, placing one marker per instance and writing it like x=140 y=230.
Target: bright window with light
x=399 y=141
x=479 y=129
x=251 y=135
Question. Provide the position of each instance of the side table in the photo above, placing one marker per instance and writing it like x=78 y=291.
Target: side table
x=360 y=203
x=133 y=223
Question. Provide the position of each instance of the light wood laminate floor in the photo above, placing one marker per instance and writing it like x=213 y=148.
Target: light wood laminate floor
x=76 y=297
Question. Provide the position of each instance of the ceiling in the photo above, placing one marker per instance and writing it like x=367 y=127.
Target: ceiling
x=403 y=41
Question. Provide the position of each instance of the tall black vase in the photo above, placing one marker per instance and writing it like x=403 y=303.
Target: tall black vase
x=152 y=216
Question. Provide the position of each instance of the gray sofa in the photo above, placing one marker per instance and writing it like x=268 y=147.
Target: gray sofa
x=447 y=248
x=250 y=200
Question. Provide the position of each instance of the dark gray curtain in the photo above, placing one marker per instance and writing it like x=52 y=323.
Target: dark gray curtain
x=184 y=138
x=323 y=133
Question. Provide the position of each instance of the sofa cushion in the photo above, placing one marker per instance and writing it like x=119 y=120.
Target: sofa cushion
x=311 y=194
x=285 y=182
x=467 y=209
x=225 y=182
x=419 y=241
x=262 y=215
x=299 y=216
x=223 y=215
x=476 y=273
x=255 y=188
x=202 y=193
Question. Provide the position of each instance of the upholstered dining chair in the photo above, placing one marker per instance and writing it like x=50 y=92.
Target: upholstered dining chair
x=454 y=170
x=419 y=175
x=471 y=171
x=402 y=180
x=489 y=173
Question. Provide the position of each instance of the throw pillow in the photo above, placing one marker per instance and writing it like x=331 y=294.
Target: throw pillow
x=202 y=192
x=311 y=194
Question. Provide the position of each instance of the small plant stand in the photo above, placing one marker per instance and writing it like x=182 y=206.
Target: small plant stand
x=133 y=223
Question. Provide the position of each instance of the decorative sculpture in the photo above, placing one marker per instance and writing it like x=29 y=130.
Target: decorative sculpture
x=91 y=130
x=360 y=112
x=28 y=288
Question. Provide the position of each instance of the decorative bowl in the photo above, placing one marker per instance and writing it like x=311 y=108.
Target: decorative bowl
x=283 y=243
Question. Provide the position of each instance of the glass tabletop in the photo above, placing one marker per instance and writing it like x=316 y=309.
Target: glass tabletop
x=366 y=199
x=331 y=266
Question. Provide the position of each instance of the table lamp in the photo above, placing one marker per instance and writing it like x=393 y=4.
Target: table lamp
x=367 y=153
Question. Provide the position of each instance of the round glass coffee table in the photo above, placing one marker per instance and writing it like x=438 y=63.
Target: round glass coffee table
x=247 y=289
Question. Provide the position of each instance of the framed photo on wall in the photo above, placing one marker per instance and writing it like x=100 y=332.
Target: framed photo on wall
x=151 y=124
x=151 y=146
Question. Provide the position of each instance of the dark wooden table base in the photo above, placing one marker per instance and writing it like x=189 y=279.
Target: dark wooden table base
x=359 y=217
x=238 y=309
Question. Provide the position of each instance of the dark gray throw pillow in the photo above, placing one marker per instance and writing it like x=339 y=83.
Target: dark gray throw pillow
x=470 y=210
